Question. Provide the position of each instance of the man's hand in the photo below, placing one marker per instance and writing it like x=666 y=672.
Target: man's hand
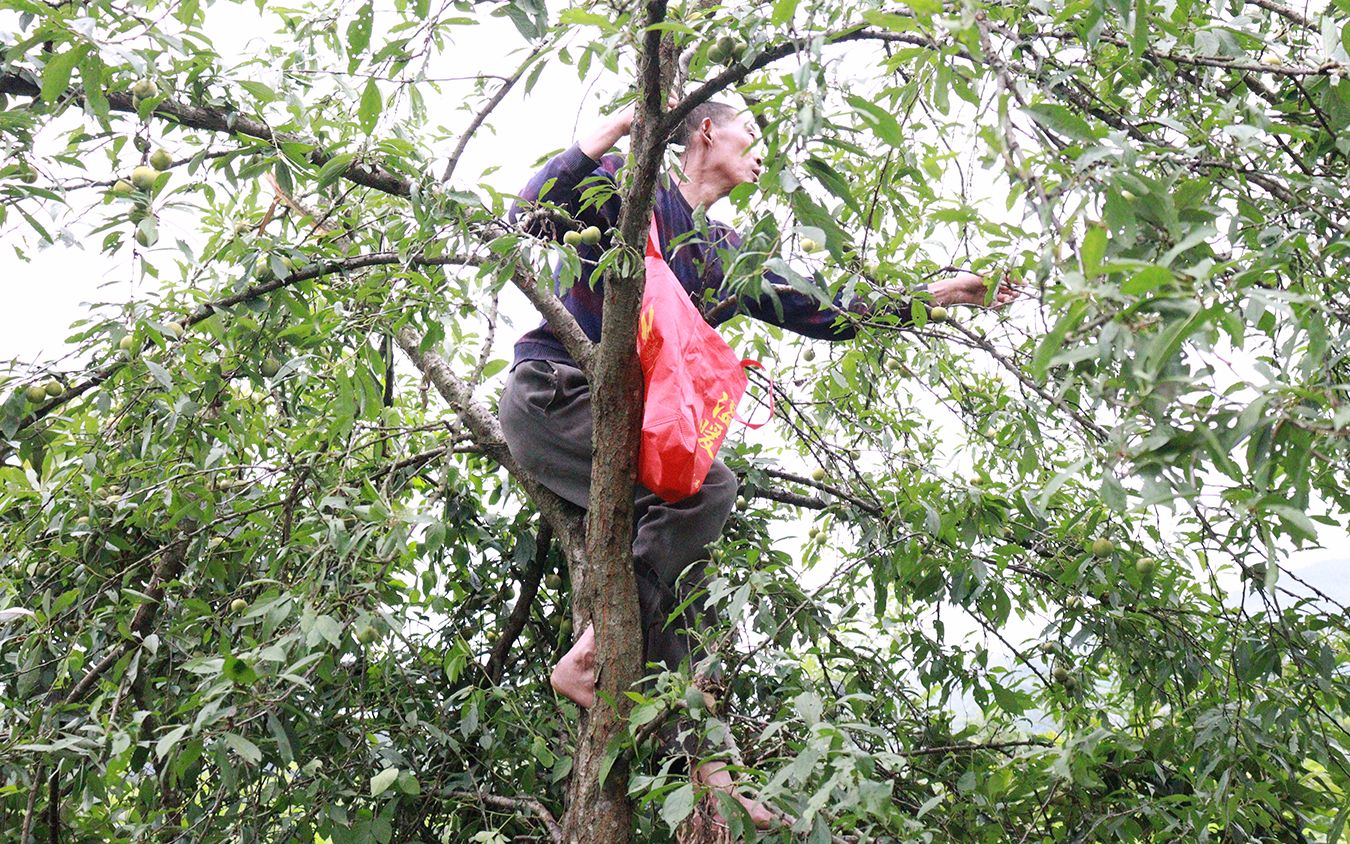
x=612 y=128
x=970 y=289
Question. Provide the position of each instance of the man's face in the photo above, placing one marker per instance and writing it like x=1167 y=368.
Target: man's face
x=733 y=153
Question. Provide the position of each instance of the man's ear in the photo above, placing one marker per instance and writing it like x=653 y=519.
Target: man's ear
x=705 y=127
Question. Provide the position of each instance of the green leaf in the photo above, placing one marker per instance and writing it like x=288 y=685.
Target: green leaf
x=1061 y=120
x=833 y=182
x=238 y=670
x=882 y=123
x=243 y=748
x=262 y=94
x=1054 y=339
x=1169 y=341
x=331 y=171
x=56 y=75
x=783 y=10
x=328 y=628
x=169 y=739
x=371 y=105
x=160 y=374
x=408 y=784
x=1297 y=520
x=891 y=21
x=1094 y=250
x=1146 y=280
x=678 y=804
x=358 y=32
x=575 y=15
x=91 y=74
x=381 y=781
x=924 y=8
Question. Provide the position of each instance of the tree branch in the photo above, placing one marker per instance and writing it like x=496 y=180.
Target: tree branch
x=517 y=805
x=171 y=564
x=559 y=319
x=254 y=291
x=486 y=110
x=1285 y=12
x=520 y=613
x=230 y=122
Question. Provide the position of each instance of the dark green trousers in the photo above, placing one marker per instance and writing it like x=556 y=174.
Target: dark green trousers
x=545 y=412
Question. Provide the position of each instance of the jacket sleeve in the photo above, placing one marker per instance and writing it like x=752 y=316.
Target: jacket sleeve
x=565 y=181
x=803 y=313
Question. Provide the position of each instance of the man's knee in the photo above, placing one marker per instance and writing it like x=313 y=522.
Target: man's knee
x=720 y=488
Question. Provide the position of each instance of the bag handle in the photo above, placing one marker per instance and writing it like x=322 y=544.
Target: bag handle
x=654 y=241
x=747 y=363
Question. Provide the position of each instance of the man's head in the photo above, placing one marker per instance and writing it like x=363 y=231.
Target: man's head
x=717 y=141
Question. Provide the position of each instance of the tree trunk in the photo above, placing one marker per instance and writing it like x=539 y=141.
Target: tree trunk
x=601 y=812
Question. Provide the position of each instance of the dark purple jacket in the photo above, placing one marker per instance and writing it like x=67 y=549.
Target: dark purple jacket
x=695 y=261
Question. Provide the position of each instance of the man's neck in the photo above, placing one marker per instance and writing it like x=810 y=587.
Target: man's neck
x=696 y=195
x=697 y=189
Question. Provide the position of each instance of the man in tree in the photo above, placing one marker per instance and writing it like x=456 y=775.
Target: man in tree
x=545 y=407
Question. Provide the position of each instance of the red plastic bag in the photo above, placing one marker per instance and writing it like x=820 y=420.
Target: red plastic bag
x=693 y=383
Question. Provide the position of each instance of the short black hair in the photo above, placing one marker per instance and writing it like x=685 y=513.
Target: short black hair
x=719 y=113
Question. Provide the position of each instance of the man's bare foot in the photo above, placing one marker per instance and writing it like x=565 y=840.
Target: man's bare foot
x=715 y=775
x=574 y=675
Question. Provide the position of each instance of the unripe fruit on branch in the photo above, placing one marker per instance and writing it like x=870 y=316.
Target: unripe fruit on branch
x=727 y=49
x=144 y=177
x=572 y=238
x=809 y=245
x=161 y=160
x=35 y=393
x=238 y=605
x=53 y=388
x=144 y=88
x=937 y=313
x=818 y=474
x=590 y=235
x=1102 y=547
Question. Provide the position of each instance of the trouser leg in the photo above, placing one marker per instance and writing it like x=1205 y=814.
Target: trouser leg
x=671 y=537
x=546 y=418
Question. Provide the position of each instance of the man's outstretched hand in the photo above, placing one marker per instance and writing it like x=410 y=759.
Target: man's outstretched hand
x=971 y=289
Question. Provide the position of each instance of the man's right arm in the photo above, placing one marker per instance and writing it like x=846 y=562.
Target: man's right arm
x=560 y=181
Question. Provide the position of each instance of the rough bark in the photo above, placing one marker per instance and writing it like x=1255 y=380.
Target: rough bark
x=600 y=812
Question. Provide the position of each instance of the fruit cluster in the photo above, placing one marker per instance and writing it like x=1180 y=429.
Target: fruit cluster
x=726 y=50
x=37 y=392
x=588 y=236
x=139 y=185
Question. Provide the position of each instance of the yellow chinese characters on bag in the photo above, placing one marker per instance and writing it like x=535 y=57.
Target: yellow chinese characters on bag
x=712 y=428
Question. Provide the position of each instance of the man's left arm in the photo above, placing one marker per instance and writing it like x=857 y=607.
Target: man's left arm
x=804 y=314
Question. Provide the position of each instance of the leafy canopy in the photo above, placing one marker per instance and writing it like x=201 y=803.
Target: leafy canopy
x=282 y=591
